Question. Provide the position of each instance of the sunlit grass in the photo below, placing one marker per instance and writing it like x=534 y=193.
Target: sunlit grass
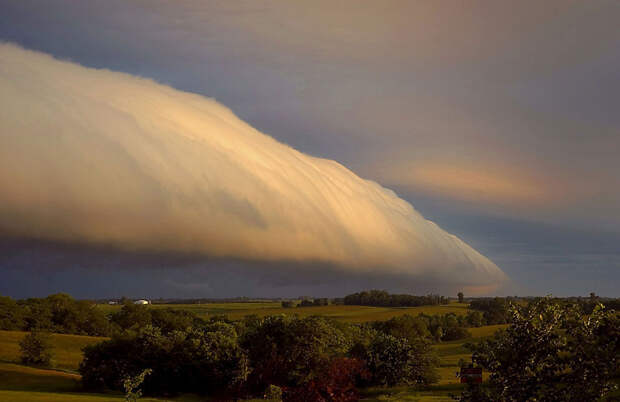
x=355 y=314
x=67 y=349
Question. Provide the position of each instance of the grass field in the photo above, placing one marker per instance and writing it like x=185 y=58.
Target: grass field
x=25 y=384
x=67 y=349
x=236 y=311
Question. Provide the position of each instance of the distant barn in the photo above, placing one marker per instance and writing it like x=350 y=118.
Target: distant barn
x=142 y=301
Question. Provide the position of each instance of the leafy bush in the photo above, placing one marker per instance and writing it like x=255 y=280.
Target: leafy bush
x=36 y=349
x=455 y=333
x=273 y=393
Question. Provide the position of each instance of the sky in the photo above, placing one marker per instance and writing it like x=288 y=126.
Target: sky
x=496 y=120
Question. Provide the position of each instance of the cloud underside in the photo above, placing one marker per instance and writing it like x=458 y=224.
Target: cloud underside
x=105 y=158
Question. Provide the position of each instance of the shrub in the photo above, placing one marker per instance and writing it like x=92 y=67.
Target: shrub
x=273 y=393
x=36 y=349
x=455 y=333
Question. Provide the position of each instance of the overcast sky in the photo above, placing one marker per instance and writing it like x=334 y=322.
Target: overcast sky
x=497 y=120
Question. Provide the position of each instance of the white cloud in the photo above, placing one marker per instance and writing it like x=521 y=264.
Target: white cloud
x=108 y=158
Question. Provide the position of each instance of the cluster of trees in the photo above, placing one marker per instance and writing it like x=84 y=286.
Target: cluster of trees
x=552 y=351
x=306 y=303
x=310 y=358
x=494 y=311
x=313 y=303
x=382 y=298
x=56 y=313
x=433 y=328
x=61 y=313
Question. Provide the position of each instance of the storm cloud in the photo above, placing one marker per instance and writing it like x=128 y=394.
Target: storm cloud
x=98 y=157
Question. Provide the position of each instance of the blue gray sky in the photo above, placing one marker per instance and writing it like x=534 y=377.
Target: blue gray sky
x=496 y=120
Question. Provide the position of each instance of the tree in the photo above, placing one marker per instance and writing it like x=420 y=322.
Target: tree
x=552 y=352
x=474 y=319
x=132 y=316
x=460 y=296
x=36 y=349
x=11 y=315
x=404 y=326
x=335 y=384
x=494 y=311
x=289 y=352
x=394 y=361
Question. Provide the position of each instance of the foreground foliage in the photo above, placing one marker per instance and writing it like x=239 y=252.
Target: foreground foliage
x=551 y=352
x=311 y=357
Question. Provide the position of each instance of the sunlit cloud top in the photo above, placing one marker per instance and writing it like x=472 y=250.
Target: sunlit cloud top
x=100 y=157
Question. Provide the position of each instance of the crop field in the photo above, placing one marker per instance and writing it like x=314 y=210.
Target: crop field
x=355 y=314
x=19 y=383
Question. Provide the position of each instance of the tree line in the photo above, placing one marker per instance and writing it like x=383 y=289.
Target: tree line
x=381 y=298
x=60 y=313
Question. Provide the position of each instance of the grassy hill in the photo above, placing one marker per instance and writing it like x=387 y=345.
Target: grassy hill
x=67 y=349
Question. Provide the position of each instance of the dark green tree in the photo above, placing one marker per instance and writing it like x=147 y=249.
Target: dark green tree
x=394 y=361
x=11 y=315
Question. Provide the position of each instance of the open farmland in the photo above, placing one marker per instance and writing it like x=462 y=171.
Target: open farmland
x=354 y=314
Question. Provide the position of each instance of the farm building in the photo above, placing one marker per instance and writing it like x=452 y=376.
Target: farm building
x=142 y=301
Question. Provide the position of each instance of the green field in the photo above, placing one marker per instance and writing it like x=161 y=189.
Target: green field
x=67 y=349
x=25 y=384
x=236 y=311
x=19 y=383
